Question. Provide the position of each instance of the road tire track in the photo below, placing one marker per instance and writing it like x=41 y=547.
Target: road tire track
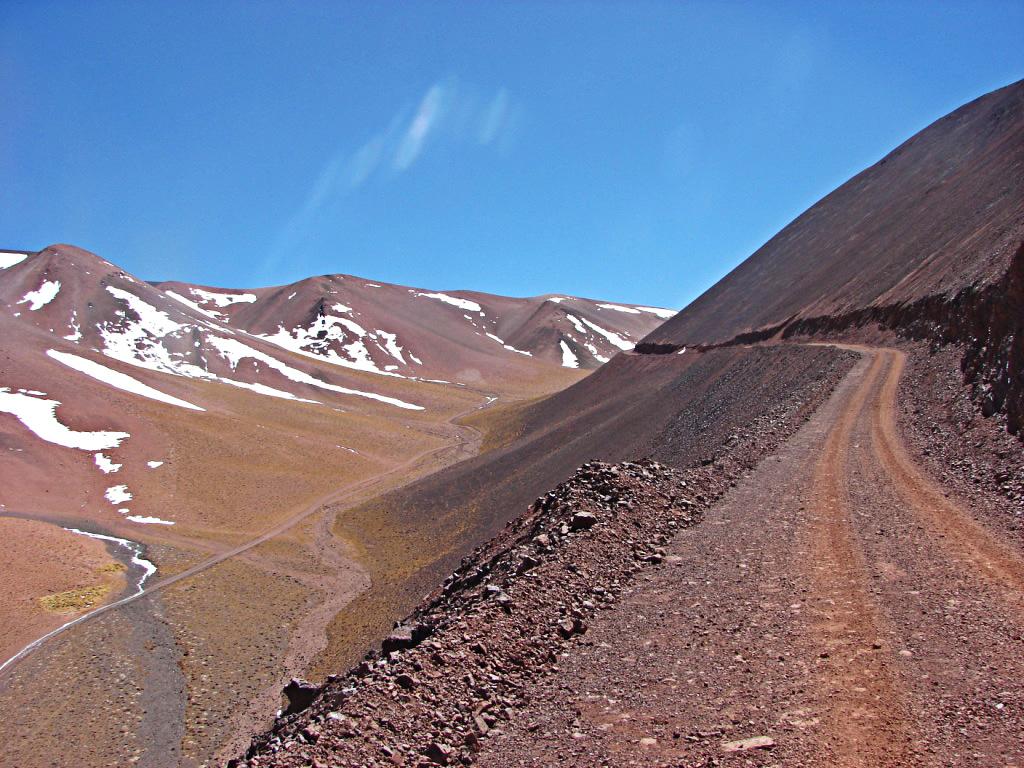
x=867 y=710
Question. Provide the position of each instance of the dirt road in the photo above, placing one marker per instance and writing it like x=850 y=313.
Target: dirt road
x=836 y=608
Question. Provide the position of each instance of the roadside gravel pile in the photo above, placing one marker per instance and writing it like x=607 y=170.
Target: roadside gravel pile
x=456 y=669
x=966 y=450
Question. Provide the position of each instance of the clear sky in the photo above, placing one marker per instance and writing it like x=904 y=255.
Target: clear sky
x=632 y=151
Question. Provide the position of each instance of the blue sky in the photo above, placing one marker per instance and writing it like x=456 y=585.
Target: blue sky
x=633 y=152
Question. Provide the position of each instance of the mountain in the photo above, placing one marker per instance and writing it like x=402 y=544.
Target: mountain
x=149 y=428
x=942 y=212
x=357 y=324
x=124 y=358
x=785 y=527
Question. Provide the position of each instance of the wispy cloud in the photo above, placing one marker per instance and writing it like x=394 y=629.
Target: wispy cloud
x=496 y=118
x=427 y=117
x=449 y=112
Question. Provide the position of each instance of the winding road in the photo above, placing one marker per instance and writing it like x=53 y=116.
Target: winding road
x=836 y=608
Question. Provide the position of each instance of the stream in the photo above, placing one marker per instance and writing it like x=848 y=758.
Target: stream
x=148 y=569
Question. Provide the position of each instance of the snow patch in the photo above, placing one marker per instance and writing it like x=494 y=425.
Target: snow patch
x=620 y=308
x=472 y=306
x=151 y=319
x=391 y=345
x=138 y=344
x=154 y=464
x=665 y=314
x=117 y=494
x=508 y=346
x=234 y=352
x=613 y=337
x=576 y=322
x=569 y=359
x=263 y=389
x=223 y=299
x=76 y=330
x=192 y=305
x=148 y=520
x=105 y=464
x=315 y=342
x=42 y=296
x=10 y=258
x=39 y=416
x=117 y=379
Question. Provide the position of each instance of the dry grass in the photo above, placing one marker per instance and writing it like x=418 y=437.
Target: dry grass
x=500 y=424
x=74 y=600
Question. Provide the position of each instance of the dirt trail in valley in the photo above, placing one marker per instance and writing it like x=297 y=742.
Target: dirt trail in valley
x=836 y=606
x=344 y=579
x=466 y=442
x=161 y=687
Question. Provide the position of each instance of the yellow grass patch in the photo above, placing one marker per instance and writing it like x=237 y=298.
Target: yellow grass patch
x=74 y=599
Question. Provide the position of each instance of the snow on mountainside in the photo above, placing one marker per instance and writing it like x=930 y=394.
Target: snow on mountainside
x=118 y=372
x=394 y=330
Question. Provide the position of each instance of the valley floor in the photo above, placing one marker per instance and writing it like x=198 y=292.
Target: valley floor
x=194 y=663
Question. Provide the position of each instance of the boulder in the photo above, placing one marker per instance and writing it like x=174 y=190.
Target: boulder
x=300 y=694
x=583 y=520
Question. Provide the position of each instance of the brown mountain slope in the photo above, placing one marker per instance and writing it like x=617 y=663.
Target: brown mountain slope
x=943 y=211
x=462 y=336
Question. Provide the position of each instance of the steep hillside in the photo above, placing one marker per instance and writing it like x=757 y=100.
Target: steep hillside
x=942 y=212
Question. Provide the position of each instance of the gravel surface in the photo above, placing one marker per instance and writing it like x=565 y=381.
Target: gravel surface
x=830 y=611
x=836 y=606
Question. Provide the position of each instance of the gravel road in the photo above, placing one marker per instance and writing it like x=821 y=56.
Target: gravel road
x=836 y=608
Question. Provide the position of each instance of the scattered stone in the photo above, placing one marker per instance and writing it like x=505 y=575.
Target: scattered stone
x=439 y=753
x=583 y=520
x=300 y=694
x=408 y=682
x=569 y=627
x=526 y=563
x=744 y=745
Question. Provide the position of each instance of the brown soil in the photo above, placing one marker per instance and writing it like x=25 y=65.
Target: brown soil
x=839 y=606
x=38 y=600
